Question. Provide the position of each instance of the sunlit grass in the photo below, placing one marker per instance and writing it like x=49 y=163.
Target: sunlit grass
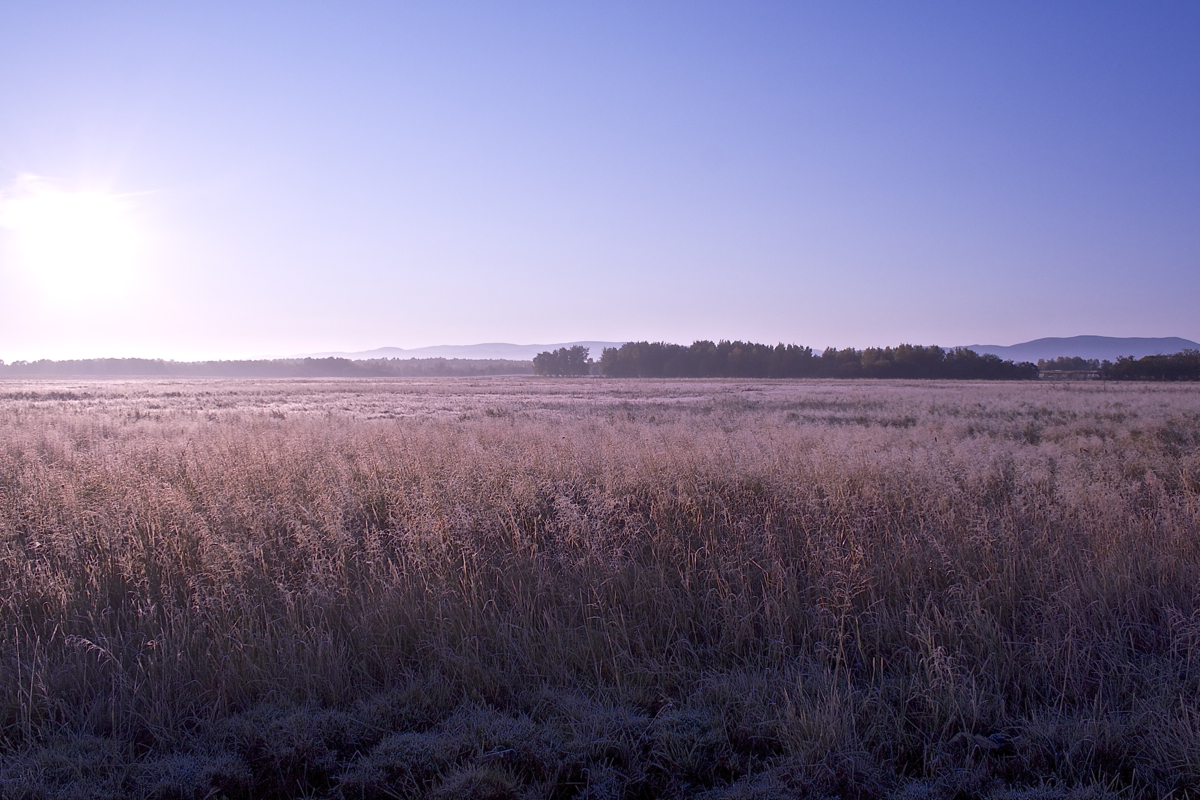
x=598 y=588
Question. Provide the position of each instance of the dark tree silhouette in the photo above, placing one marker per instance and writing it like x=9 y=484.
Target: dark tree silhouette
x=736 y=359
x=1181 y=366
x=1068 y=363
x=563 y=361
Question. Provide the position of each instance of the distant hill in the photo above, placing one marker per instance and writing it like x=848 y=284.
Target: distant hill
x=491 y=350
x=1101 y=347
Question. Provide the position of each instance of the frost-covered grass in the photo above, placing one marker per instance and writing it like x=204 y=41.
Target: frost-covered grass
x=521 y=588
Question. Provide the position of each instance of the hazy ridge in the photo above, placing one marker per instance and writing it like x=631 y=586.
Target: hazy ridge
x=1108 y=348
x=486 y=351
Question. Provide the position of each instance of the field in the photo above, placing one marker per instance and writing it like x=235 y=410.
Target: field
x=589 y=588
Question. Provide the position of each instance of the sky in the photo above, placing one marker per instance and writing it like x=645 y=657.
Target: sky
x=232 y=180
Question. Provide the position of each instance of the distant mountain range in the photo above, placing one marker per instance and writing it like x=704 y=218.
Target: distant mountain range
x=1101 y=347
x=491 y=350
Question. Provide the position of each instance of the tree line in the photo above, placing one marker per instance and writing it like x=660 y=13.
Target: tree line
x=1181 y=366
x=270 y=368
x=563 y=362
x=702 y=359
x=735 y=359
x=1069 y=363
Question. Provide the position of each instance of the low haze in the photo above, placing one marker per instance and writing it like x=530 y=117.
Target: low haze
x=245 y=180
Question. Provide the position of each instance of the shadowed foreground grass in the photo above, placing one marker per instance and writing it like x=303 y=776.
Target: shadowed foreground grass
x=599 y=589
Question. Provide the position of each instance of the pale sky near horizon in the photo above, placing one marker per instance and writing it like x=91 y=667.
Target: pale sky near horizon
x=249 y=179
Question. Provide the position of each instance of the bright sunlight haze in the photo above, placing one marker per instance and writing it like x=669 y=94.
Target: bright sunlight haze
x=232 y=180
x=74 y=245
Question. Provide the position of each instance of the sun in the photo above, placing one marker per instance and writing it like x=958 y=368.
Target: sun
x=76 y=244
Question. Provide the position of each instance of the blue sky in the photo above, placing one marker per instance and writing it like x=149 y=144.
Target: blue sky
x=300 y=177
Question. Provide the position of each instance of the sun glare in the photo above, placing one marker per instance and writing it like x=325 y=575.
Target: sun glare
x=77 y=245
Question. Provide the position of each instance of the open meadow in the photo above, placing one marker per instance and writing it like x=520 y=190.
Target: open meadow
x=513 y=587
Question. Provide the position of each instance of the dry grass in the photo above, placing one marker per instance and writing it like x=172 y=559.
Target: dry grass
x=521 y=588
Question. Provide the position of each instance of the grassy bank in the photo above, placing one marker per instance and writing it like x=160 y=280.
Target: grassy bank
x=598 y=589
